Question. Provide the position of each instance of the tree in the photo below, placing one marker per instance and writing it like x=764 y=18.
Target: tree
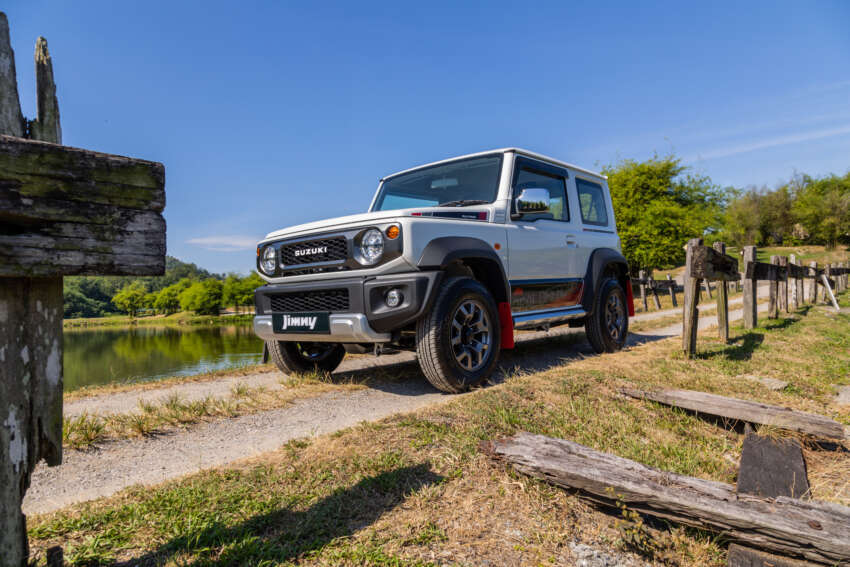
x=167 y=300
x=659 y=206
x=247 y=287
x=130 y=298
x=231 y=291
x=822 y=208
x=204 y=298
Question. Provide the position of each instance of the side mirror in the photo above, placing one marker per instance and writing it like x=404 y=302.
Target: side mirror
x=532 y=200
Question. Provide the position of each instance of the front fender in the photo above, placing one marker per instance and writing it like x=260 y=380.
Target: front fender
x=600 y=260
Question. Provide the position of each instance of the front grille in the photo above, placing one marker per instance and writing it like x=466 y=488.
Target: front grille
x=313 y=251
x=319 y=300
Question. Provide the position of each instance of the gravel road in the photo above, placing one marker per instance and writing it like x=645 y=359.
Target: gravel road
x=86 y=475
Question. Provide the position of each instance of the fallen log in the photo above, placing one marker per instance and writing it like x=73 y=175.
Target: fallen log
x=744 y=410
x=816 y=531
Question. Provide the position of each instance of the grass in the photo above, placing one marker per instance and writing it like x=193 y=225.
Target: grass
x=416 y=490
x=181 y=318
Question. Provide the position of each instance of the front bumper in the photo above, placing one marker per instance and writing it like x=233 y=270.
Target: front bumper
x=365 y=319
x=345 y=328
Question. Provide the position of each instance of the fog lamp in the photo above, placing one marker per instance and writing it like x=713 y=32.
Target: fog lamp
x=394 y=298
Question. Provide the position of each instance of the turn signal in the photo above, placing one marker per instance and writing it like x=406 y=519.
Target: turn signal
x=393 y=232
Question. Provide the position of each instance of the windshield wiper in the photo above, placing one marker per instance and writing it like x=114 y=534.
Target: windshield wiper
x=463 y=203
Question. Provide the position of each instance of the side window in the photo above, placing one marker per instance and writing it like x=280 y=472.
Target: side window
x=555 y=184
x=591 y=200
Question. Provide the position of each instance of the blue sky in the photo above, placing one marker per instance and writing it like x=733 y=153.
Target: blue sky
x=269 y=114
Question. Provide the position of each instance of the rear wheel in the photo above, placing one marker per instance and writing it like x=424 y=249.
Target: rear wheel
x=458 y=342
x=608 y=326
x=299 y=358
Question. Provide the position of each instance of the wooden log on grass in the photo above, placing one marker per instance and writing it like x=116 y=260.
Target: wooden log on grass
x=744 y=410
x=817 y=531
x=750 y=285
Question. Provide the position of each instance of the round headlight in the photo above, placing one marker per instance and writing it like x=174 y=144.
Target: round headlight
x=371 y=246
x=268 y=261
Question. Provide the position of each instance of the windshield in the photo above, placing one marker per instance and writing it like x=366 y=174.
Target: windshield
x=460 y=183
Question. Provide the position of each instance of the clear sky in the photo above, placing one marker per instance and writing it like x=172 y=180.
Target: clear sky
x=269 y=114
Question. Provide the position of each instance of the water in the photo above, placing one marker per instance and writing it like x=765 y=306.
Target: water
x=105 y=355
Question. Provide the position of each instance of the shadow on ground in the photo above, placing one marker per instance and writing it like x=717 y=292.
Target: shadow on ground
x=286 y=534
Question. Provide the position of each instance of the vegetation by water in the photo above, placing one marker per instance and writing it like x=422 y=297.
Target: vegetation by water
x=119 y=355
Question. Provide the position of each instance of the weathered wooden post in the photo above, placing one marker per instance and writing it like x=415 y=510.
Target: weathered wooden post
x=690 y=318
x=783 y=285
x=63 y=211
x=672 y=290
x=722 y=301
x=773 y=297
x=707 y=286
x=750 y=291
x=793 y=282
x=813 y=284
x=642 y=276
x=654 y=289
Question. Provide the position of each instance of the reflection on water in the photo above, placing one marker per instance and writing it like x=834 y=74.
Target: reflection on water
x=102 y=356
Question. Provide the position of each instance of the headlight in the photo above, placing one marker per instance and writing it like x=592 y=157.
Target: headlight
x=371 y=246
x=268 y=261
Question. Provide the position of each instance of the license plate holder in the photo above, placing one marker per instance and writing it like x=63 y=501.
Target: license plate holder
x=303 y=322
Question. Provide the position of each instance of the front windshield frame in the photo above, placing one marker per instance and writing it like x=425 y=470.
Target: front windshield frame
x=490 y=198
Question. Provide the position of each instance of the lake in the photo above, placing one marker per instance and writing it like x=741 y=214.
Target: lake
x=106 y=355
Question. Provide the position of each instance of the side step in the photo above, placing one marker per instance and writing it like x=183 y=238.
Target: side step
x=541 y=318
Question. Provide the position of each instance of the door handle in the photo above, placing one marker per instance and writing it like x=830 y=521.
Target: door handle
x=571 y=241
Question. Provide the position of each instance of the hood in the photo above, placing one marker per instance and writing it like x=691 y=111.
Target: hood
x=338 y=223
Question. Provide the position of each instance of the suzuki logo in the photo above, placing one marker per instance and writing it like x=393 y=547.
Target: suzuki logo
x=311 y=251
x=301 y=322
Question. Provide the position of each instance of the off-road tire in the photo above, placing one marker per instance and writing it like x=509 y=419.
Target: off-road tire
x=289 y=358
x=599 y=331
x=434 y=336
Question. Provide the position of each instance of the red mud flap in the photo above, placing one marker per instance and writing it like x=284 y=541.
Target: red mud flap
x=507 y=323
x=630 y=299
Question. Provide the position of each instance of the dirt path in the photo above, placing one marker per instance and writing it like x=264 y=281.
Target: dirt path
x=86 y=475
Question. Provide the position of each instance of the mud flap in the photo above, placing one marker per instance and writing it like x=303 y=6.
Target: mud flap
x=265 y=352
x=507 y=323
x=630 y=298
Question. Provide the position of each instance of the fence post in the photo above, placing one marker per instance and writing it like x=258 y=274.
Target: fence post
x=783 y=285
x=813 y=284
x=795 y=296
x=722 y=301
x=690 y=317
x=707 y=286
x=750 y=294
x=654 y=289
x=672 y=290
x=842 y=279
x=642 y=276
x=773 y=298
x=827 y=290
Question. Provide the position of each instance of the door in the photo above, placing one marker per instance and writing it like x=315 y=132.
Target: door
x=542 y=267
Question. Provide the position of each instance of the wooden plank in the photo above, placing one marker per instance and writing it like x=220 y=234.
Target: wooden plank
x=772 y=467
x=722 y=301
x=750 y=285
x=745 y=411
x=690 y=316
x=67 y=211
x=708 y=264
x=817 y=531
x=783 y=286
x=766 y=272
x=741 y=556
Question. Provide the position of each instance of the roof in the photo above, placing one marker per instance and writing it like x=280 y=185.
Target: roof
x=518 y=151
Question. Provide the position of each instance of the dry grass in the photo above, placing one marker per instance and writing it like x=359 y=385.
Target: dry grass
x=415 y=489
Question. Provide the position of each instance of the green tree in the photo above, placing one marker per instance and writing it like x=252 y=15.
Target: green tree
x=204 y=298
x=130 y=298
x=247 y=287
x=822 y=207
x=230 y=294
x=659 y=206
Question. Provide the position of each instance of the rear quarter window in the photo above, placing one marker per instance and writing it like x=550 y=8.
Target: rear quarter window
x=591 y=199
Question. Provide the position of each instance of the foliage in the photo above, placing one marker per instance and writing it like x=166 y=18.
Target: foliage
x=131 y=298
x=659 y=206
x=823 y=208
x=167 y=300
x=204 y=298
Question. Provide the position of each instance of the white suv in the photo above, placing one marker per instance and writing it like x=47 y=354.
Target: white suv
x=451 y=258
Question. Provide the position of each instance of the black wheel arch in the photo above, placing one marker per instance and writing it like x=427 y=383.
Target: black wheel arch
x=603 y=262
x=485 y=265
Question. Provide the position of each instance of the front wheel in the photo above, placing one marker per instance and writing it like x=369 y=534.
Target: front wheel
x=608 y=326
x=300 y=358
x=458 y=342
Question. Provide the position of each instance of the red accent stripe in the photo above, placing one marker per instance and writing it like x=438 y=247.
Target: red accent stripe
x=507 y=324
x=630 y=298
x=416 y=214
